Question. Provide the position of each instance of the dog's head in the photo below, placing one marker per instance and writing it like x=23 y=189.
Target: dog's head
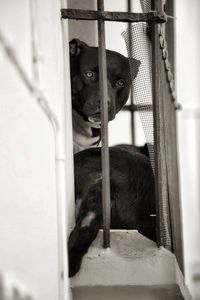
x=85 y=81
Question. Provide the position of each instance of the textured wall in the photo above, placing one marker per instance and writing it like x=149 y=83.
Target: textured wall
x=28 y=248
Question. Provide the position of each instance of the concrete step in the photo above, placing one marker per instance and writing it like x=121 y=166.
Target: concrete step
x=164 y=292
x=133 y=262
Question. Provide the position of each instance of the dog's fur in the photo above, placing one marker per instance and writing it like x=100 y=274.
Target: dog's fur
x=132 y=197
x=85 y=90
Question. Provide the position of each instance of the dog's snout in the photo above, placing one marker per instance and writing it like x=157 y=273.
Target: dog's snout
x=108 y=101
x=99 y=103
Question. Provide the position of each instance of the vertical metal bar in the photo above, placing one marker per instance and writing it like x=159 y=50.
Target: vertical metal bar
x=171 y=150
x=155 y=89
x=163 y=222
x=104 y=129
x=131 y=93
x=169 y=7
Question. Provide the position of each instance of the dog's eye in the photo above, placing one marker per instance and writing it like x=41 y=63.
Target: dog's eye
x=120 y=82
x=89 y=74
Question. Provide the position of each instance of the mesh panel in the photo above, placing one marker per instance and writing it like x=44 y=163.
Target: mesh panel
x=139 y=47
x=146 y=5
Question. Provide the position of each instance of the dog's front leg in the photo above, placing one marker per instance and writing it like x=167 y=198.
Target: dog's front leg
x=85 y=231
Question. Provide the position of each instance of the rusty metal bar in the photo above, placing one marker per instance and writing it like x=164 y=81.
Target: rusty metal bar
x=141 y=107
x=131 y=92
x=104 y=129
x=171 y=150
x=80 y=14
x=163 y=237
x=166 y=167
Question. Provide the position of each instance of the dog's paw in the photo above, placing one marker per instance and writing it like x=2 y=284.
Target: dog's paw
x=74 y=262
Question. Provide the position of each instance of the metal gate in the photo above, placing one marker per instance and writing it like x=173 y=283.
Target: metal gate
x=159 y=20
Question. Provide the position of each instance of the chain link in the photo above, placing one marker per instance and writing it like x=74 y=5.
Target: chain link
x=169 y=74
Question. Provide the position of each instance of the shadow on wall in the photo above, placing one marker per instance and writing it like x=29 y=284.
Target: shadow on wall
x=13 y=293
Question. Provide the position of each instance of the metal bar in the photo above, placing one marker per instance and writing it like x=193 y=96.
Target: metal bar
x=167 y=183
x=138 y=107
x=169 y=6
x=80 y=14
x=171 y=152
x=131 y=92
x=132 y=119
x=163 y=222
x=104 y=130
x=173 y=178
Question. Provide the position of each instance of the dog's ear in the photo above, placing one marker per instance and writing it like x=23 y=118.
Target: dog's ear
x=134 y=67
x=76 y=46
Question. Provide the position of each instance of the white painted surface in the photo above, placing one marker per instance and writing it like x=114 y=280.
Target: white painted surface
x=28 y=231
x=188 y=94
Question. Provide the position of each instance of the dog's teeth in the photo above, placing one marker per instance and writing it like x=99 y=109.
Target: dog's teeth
x=94 y=120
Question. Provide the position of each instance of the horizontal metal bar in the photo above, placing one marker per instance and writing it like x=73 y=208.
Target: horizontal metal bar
x=140 y=107
x=80 y=14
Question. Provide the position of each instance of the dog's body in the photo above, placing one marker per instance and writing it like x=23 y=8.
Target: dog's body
x=131 y=177
x=85 y=90
x=132 y=197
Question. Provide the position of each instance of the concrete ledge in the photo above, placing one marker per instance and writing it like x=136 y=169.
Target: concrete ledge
x=167 y=292
x=132 y=260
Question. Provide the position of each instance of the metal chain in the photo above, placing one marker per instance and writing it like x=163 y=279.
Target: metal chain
x=169 y=74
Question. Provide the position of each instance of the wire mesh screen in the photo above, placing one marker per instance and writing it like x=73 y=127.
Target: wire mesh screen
x=138 y=43
x=139 y=47
x=146 y=5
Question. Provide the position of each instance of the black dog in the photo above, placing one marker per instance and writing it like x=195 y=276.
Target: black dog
x=132 y=197
x=85 y=90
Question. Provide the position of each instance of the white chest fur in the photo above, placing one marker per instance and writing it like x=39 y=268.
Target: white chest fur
x=82 y=134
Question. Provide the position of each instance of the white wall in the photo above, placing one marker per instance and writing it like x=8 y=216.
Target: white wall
x=188 y=93
x=28 y=231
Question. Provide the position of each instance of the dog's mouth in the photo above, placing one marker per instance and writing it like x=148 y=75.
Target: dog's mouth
x=95 y=119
